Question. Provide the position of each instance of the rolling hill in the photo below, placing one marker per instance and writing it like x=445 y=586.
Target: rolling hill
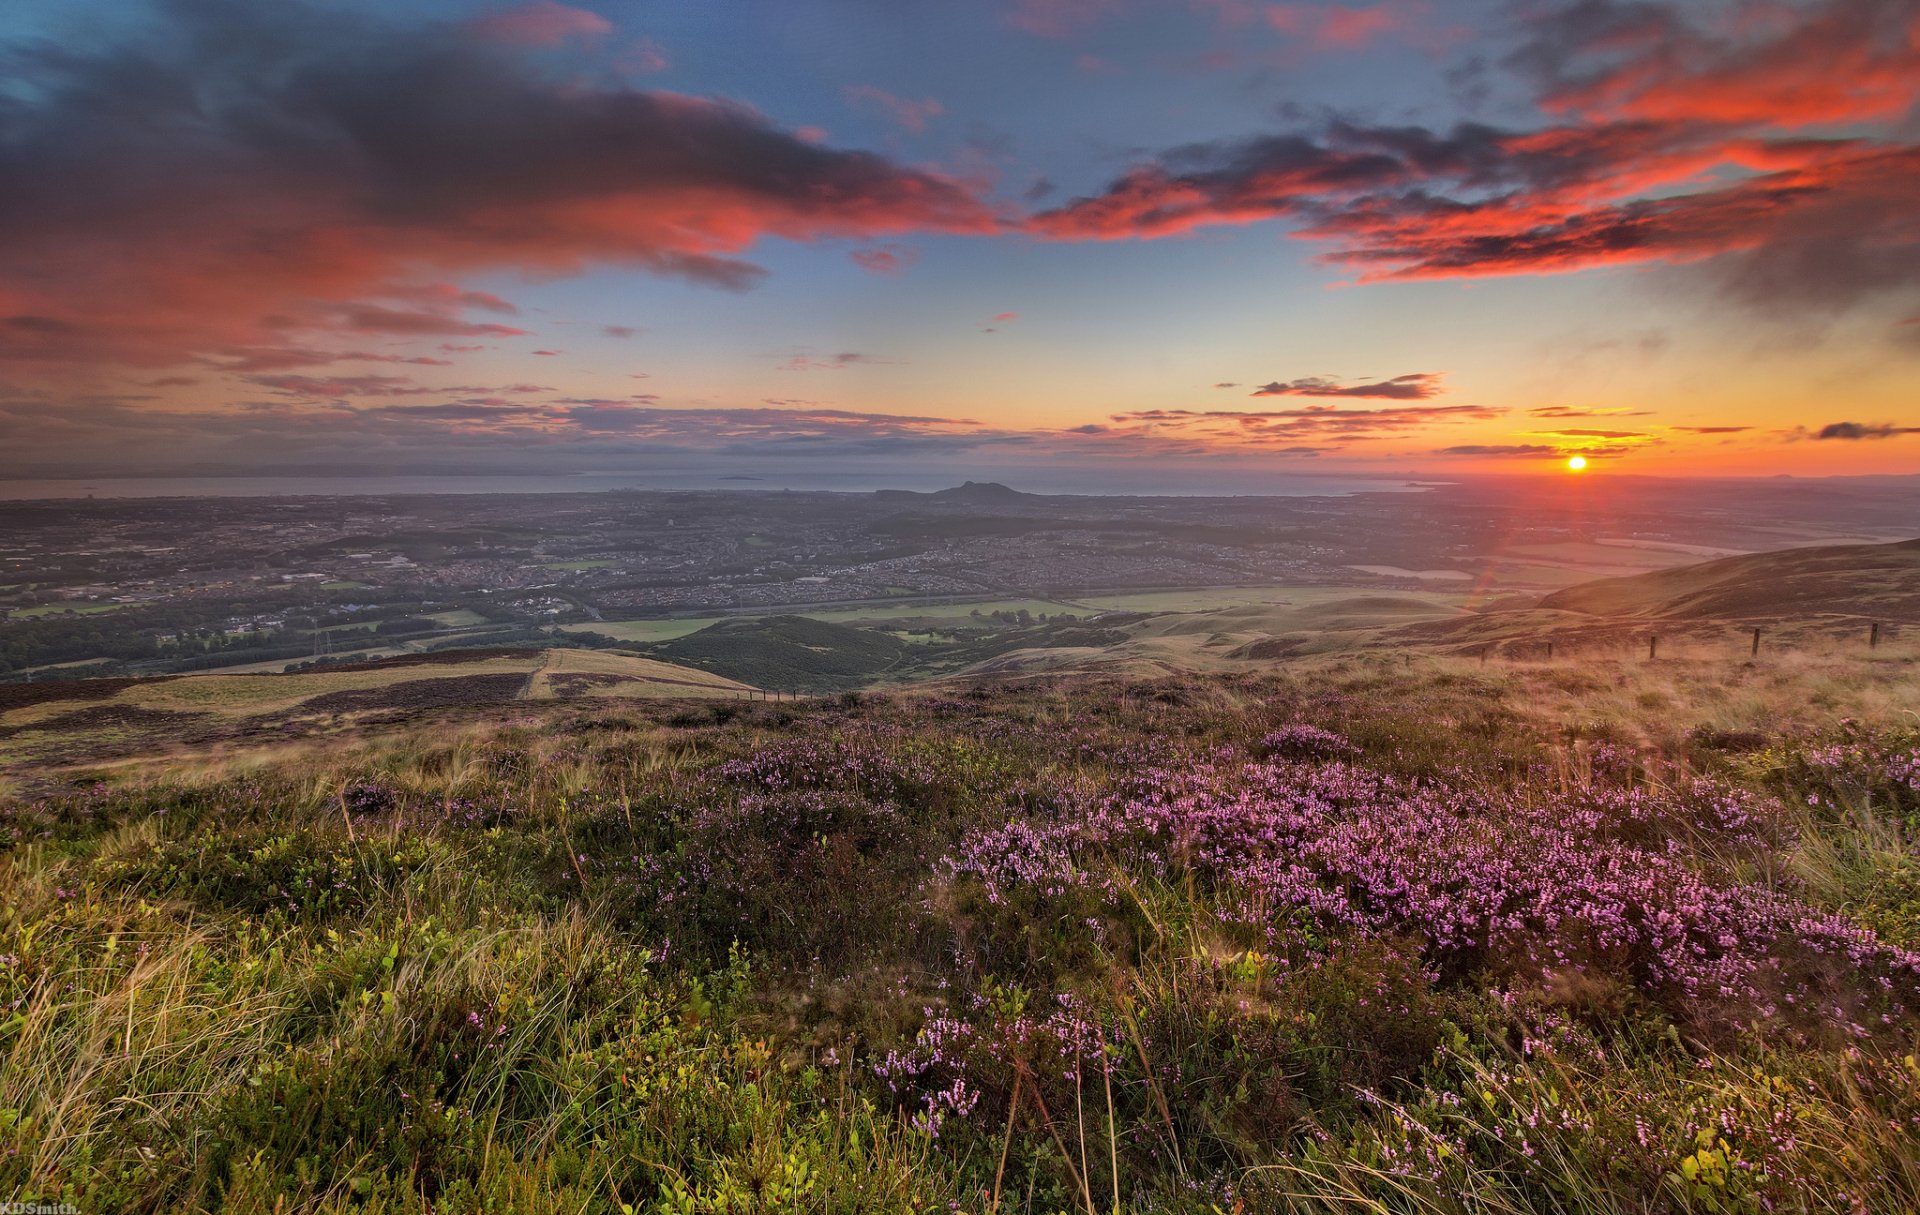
x=1872 y=581
x=788 y=653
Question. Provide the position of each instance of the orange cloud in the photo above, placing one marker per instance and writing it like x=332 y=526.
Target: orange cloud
x=423 y=153
x=1633 y=174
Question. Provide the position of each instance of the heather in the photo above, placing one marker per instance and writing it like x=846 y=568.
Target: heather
x=1349 y=938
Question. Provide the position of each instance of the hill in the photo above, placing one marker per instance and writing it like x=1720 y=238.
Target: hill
x=972 y=493
x=1344 y=935
x=1874 y=581
x=787 y=653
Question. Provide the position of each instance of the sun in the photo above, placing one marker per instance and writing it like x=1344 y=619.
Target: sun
x=1576 y=463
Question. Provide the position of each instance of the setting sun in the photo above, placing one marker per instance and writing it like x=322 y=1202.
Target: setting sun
x=1576 y=463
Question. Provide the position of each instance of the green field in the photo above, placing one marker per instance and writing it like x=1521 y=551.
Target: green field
x=78 y=608
x=458 y=618
x=642 y=630
x=1203 y=599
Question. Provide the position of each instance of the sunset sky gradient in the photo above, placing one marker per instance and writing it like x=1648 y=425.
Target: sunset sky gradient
x=1409 y=237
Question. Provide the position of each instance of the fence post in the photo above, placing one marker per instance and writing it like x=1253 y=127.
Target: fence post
x=1873 y=636
x=1653 y=647
x=1756 y=643
x=1549 y=651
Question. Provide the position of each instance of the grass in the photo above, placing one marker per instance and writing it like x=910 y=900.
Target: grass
x=76 y=608
x=610 y=955
x=458 y=618
x=642 y=631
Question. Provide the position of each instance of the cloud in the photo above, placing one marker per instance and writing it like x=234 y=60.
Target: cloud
x=806 y=362
x=312 y=387
x=1572 y=411
x=885 y=259
x=1664 y=146
x=1498 y=449
x=1712 y=430
x=1599 y=434
x=1415 y=386
x=1856 y=430
x=908 y=114
x=1321 y=424
x=284 y=358
x=1751 y=62
x=1332 y=27
x=644 y=58
x=619 y=331
x=266 y=170
x=542 y=23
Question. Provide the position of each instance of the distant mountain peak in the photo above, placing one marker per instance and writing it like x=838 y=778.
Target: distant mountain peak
x=984 y=491
x=971 y=491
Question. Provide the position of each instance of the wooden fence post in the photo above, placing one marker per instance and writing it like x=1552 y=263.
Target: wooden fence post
x=1653 y=647
x=1873 y=636
x=1756 y=643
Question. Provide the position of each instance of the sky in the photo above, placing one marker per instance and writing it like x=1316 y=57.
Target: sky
x=1120 y=237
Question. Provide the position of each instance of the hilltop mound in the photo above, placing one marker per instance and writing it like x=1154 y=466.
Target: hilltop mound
x=788 y=653
x=1879 y=581
x=972 y=493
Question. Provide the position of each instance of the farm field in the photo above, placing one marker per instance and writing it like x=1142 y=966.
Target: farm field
x=55 y=723
x=77 y=608
x=642 y=631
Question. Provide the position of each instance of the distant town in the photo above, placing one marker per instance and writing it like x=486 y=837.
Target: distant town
x=161 y=585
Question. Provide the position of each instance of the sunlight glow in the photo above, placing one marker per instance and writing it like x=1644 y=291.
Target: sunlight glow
x=1576 y=463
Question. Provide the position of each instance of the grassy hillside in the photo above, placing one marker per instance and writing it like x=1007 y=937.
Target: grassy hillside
x=1356 y=935
x=788 y=653
x=1876 y=581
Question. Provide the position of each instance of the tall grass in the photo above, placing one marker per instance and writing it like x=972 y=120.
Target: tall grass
x=670 y=960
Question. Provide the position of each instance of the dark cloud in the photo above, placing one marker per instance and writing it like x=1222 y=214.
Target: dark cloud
x=1417 y=386
x=1857 y=430
x=1499 y=449
x=251 y=170
x=1678 y=138
x=1713 y=430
